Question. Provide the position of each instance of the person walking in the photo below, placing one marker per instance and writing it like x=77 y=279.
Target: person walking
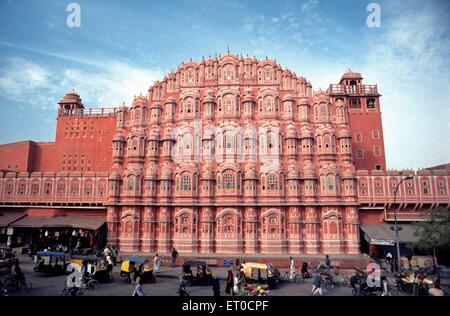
x=174 y=257
x=291 y=269
x=230 y=283
x=216 y=287
x=236 y=287
x=182 y=289
x=114 y=255
x=138 y=289
x=327 y=263
x=317 y=285
x=156 y=264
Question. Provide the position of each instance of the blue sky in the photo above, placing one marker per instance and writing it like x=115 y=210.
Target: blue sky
x=123 y=46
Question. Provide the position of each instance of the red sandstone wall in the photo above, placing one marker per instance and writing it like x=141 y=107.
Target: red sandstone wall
x=16 y=156
x=365 y=122
x=82 y=144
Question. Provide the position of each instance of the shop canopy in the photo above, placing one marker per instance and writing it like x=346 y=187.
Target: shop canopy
x=59 y=222
x=383 y=234
x=7 y=218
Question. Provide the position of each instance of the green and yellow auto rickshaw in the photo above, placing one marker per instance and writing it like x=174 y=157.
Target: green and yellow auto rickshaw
x=202 y=274
x=52 y=263
x=261 y=273
x=137 y=267
x=100 y=269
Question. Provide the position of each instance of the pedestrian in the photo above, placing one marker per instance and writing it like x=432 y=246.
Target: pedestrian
x=415 y=284
x=327 y=263
x=216 y=287
x=317 y=284
x=291 y=268
x=174 y=257
x=182 y=289
x=114 y=255
x=106 y=251
x=133 y=272
x=156 y=264
x=77 y=247
x=236 y=288
x=109 y=266
x=138 y=289
x=229 y=286
x=237 y=265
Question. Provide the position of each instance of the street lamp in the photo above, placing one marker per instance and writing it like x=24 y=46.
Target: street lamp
x=396 y=228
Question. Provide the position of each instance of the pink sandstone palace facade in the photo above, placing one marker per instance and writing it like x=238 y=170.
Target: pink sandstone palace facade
x=231 y=155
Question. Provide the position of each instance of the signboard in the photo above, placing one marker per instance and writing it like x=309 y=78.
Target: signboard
x=382 y=242
x=10 y=231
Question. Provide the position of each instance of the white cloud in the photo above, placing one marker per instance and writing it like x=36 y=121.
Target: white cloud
x=409 y=64
x=40 y=86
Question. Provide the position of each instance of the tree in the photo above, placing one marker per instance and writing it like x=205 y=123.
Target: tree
x=434 y=233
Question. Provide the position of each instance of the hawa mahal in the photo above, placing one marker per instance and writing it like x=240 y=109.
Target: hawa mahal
x=229 y=155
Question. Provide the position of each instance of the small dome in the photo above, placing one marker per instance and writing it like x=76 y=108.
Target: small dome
x=309 y=173
x=348 y=174
x=250 y=174
x=288 y=97
x=168 y=134
x=320 y=97
x=303 y=101
x=115 y=175
x=156 y=105
x=207 y=173
x=170 y=100
x=293 y=174
x=344 y=133
x=248 y=98
x=119 y=138
x=166 y=173
x=139 y=101
x=152 y=172
x=306 y=132
x=291 y=132
x=154 y=134
x=208 y=133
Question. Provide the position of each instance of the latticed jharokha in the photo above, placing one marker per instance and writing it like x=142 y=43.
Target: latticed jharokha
x=229 y=155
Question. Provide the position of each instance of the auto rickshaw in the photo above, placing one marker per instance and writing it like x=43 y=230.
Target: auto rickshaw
x=202 y=275
x=261 y=273
x=142 y=267
x=101 y=273
x=52 y=263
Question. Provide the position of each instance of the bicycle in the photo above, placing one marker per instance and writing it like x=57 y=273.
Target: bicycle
x=72 y=291
x=297 y=279
x=90 y=284
x=12 y=284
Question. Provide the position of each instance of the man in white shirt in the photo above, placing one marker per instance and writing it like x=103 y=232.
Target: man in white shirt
x=292 y=269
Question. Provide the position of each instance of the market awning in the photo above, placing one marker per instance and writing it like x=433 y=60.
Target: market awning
x=7 y=218
x=382 y=234
x=93 y=223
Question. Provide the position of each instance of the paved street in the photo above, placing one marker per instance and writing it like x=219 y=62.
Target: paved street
x=166 y=284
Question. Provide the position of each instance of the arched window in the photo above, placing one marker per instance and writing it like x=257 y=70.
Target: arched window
x=272 y=182
x=267 y=73
x=185 y=182
x=229 y=182
x=229 y=103
x=269 y=104
x=229 y=141
x=330 y=182
x=228 y=72
x=61 y=188
x=130 y=183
